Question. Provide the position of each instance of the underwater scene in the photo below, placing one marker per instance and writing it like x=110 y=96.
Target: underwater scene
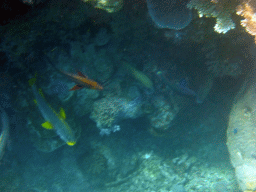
x=127 y=96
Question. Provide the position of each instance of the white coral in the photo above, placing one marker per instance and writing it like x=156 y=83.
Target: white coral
x=209 y=8
x=224 y=24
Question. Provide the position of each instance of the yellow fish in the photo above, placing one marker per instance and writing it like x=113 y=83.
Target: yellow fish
x=54 y=120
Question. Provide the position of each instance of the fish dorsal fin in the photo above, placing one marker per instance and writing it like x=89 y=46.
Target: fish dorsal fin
x=62 y=113
x=81 y=74
x=47 y=125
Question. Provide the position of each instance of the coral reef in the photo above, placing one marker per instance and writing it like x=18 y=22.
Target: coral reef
x=150 y=79
x=181 y=173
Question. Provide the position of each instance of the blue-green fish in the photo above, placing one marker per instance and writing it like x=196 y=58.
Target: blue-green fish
x=54 y=120
x=5 y=132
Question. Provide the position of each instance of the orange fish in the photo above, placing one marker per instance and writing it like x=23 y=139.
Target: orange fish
x=82 y=81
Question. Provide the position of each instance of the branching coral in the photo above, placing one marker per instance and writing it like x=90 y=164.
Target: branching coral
x=108 y=111
x=248 y=12
x=221 y=10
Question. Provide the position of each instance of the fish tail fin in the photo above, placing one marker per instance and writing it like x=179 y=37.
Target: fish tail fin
x=71 y=143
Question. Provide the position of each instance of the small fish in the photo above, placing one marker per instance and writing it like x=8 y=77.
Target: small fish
x=81 y=80
x=53 y=119
x=139 y=76
x=5 y=132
